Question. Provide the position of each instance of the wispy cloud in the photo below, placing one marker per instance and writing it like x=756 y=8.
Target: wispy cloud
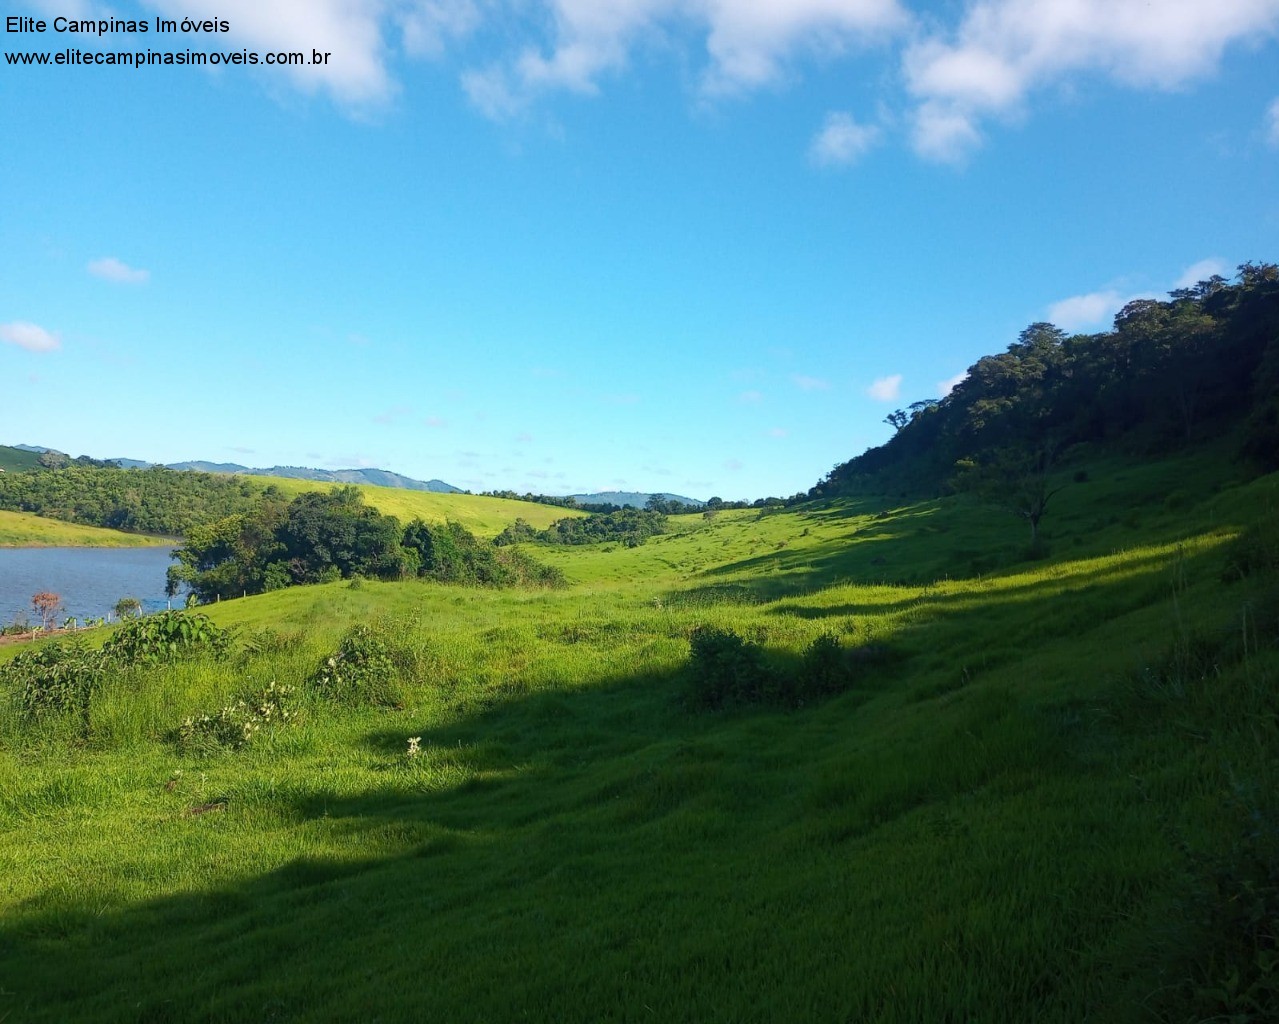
x=733 y=465
x=1271 y=127
x=842 y=141
x=751 y=397
x=806 y=383
x=111 y=269
x=32 y=337
x=779 y=432
x=945 y=387
x=748 y=44
x=1004 y=50
x=393 y=415
x=886 y=389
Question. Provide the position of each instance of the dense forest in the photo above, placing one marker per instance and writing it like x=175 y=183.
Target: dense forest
x=156 y=500
x=323 y=536
x=1170 y=373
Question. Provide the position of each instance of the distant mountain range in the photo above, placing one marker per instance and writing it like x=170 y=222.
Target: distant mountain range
x=634 y=499
x=378 y=477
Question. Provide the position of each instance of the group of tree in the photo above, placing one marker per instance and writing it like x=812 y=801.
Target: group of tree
x=321 y=536
x=155 y=500
x=1203 y=363
x=629 y=526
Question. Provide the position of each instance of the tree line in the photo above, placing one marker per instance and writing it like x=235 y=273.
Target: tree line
x=155 y=500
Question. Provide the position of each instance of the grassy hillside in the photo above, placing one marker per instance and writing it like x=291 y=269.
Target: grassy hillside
x=1047 y=792
x=15 y=460
x=484 y=517
x=19 y=530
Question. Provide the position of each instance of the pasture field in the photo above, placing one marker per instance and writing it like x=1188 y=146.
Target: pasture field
x=15 y=460
x=19 y=530
x=483 y=516
x=1046 y=791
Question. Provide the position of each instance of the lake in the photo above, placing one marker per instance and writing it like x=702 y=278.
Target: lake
x=89 y=580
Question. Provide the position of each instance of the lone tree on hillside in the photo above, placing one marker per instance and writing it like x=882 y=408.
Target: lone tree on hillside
x=1014 y=479
x=128 y=607
x=47 y=604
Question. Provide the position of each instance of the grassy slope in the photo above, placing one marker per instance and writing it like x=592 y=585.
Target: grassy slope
x=1006 y=819
x=19 y=530
x=485 y=517
x=15 y=460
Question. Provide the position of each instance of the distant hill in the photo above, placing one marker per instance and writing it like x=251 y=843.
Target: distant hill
x=378 y=477
x=634 y=499
x=19 y=458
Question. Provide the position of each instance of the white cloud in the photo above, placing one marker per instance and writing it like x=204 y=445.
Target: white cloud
x=751 y=397
x=806 y=383
x=29 y=336
x=842 y=141
x=886 y=389
x=779 y=432
x=1200 y=271
x=748 y=43
x=1003 y=50
x=944 y=134
x=733 y=465
x=1272 y=123
x=1082 y=311
x=945 y=387
x=351 y=31
x=111 y=269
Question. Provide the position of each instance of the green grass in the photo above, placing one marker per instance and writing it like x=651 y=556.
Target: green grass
x=20 y=530
x=15 y=460
x=1044 y=799
x=483 y=516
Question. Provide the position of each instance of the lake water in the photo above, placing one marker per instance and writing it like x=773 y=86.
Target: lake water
x=89 y=580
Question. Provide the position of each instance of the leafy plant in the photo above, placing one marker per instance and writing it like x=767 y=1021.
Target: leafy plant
x=167 y=637
x=55 y=678
x=359 y=671
x=238 y=723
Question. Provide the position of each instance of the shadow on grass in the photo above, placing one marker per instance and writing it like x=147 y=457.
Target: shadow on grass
x=598 y=854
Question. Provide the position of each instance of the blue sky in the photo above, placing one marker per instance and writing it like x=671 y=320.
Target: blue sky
x=575 y=245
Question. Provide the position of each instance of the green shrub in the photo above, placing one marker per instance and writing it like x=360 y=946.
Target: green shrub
x=167 y=637
x=360 y=671
x=725 y=670
x=55 y=678
x=824 y=669
x=237 y=724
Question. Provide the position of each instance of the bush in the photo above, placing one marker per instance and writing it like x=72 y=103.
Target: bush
x=824 y=669
x=360 y=671
x=55 y=678
x=167 y=637
x=237 y=724
x=727 y=670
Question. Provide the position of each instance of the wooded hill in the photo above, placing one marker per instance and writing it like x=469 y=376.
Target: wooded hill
x=1170 y=373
